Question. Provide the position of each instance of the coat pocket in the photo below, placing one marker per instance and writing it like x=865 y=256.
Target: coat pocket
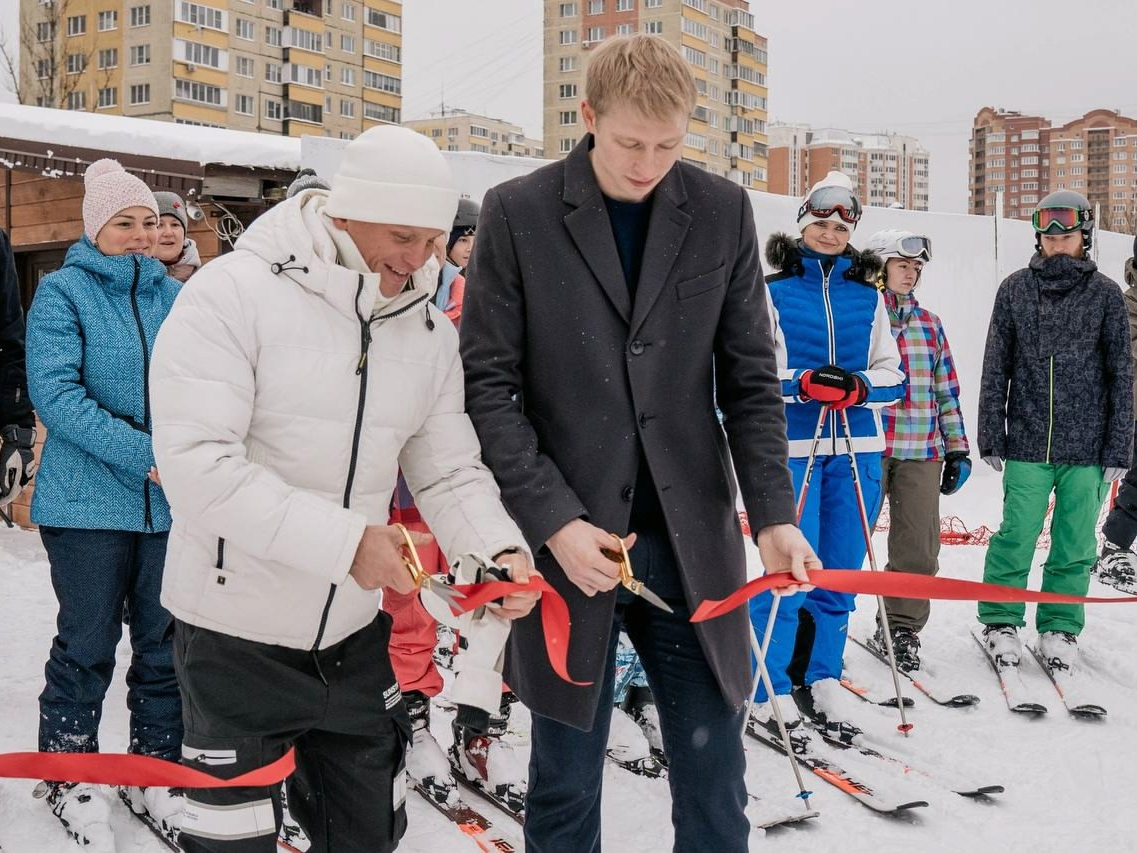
x=701 y=283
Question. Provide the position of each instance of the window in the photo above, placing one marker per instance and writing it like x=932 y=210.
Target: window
x=299 y=111
x=108 y=58
x=478 y=130
x=347 y=44
x=568 y=117
x=567 y=63
x=625 y=5
x=201 y=16
x=568 y=10
x=379 y=112
x=243 y=105
x=76 y=63
x=140 y=93
x=594 y=34
x=199 y=93
x=305 y=75
x=382 y=50
x=140 y=55
x=44 y=68
x=274 y=36
x=567 y=144
x=347 y=76
x=653 y=28
x=274 y=110
x=596 y=7
x=568 y=37
x=77 y=101
x=695 y=29
x=45 y=31
x=204 y=54
x=384 y=20
x=245 y=67
x=107 y=21
x=328 y=75
x=347 y=11
x=274 y=4
x=245 y=29
x=653 y=4
x=1120 y=167
x=274 y=72
x=347 y=108
x=77 y=25
x=140 y=16
x=568 y=90
x=304 y=40
x=695 y=57
x=700 y=5
x=382 y=82
x=625 y=29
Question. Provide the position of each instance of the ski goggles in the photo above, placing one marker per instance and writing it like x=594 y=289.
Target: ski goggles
x=1060 y=220
x=824 y=202
x=916 y=248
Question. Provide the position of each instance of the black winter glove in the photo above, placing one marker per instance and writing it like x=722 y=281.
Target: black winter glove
x=957 y=468
x=17 y=461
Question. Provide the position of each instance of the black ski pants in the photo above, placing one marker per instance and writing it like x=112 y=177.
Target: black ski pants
x=1121 y=524
x=245 y=704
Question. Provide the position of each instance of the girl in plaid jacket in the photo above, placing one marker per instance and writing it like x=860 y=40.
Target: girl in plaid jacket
x=926 y=451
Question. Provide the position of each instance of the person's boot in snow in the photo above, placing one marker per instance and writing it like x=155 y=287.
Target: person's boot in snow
x=905 y=645
x=163 y=805
x=488 y=762
x=83 y=811
x=1060 y=651
x=639 y=704
x=1117 y=567
x=831 y=707
x=628 y=746
x=427 y=764
x=1003 y=644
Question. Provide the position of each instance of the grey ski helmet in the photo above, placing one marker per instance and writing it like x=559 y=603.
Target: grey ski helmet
x=1062 y=212
x=465 y=222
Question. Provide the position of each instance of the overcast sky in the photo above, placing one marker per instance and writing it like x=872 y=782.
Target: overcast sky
x=921 y=68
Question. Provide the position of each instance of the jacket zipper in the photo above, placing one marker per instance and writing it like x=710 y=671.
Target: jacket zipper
x=832 y=344
x=1050 y=413
x=149 y=520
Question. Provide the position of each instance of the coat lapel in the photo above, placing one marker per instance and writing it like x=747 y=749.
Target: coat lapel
x=591 y=230
x=665 y=235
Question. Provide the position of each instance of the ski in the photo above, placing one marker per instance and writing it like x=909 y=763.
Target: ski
x=518 y=814
x=923 y=680
x=1020 y=698
x=956 y=786
x=648 y=766
x=831 y=772
x=868 y=694
x=1067 y=685
x=168 y=839
x=788 y=819
x=472 y=823
x=1127 y=586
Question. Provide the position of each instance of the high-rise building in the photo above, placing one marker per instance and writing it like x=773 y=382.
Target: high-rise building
x=462 y=131
x=292 y=67
x=885 y=168
x=727 y=132
x=1026 y=157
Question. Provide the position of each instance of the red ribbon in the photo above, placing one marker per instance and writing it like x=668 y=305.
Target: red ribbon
x=102 y=768
x=555 y=620
x=896 y=585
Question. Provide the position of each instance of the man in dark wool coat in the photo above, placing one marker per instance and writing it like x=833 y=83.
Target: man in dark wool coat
x=613 y=298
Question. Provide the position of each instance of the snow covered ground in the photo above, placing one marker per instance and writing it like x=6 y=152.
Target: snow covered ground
x=1069 y=782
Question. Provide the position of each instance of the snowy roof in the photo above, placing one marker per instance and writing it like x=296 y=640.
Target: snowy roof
x=149 y=138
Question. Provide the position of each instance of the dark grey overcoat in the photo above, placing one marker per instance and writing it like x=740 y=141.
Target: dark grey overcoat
x=565 y=377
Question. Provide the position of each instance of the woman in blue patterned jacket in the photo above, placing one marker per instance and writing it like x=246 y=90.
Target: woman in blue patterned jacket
x=835 y=348
x=102 y=515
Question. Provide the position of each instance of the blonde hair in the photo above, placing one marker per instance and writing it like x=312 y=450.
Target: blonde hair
x=643 y=72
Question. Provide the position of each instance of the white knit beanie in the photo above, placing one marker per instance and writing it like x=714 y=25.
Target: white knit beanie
x=394 y=176
x=833 y=179
x=108 y=188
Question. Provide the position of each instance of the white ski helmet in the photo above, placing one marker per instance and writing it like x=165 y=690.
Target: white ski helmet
x=896 y=243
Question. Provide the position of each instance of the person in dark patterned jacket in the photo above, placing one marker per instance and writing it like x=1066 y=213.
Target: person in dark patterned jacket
x=1056 y=404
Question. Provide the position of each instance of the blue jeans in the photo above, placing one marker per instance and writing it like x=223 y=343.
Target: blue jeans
x=95 y=574
x=701 y=733
x=831 y=522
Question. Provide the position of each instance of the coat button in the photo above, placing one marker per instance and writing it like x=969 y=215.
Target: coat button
x=636 y=347
x=628 y=493
x=643 y=420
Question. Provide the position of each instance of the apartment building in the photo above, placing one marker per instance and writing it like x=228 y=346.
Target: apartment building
x=462 y=131
x=886 y=168
x=1026 y=157
x=292 y=67
x=727 y=132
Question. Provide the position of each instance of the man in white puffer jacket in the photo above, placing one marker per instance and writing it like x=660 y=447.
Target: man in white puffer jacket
x=288 y=387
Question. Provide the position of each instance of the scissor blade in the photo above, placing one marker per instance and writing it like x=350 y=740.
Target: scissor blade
x=447 y=593
x=651 y=598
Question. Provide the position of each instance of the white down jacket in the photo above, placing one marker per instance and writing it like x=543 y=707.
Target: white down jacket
x=277 y=442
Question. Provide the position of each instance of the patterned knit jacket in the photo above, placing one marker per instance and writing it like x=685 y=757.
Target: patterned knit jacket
x=927 y=423
x=91 y=330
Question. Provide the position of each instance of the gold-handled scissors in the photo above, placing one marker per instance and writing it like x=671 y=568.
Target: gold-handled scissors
x=636 y=587
x=422 y=578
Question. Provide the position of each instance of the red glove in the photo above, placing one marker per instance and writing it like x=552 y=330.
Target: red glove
x=833 y=386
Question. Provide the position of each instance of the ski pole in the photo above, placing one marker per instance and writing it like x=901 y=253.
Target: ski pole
x=769 y=629
x=783 y=733
x=904 y=726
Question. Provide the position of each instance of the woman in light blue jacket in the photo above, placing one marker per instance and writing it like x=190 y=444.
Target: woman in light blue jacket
x=98 y=499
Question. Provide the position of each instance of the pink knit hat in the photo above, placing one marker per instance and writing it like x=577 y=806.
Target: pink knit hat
x=109 y=189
